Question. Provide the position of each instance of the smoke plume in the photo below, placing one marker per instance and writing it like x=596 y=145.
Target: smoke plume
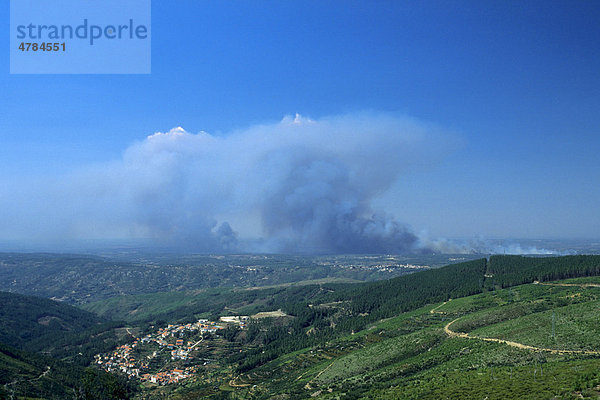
x=297 y=185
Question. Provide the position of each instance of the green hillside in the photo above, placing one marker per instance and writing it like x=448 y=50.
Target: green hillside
x=25 y=320
x=515 y=270
x=28 y=375
x=465 y=331
x=24 y=374
x=381 y=298
x=412 y=356
x=45 y=347
x=57 y=329
x=445 y=333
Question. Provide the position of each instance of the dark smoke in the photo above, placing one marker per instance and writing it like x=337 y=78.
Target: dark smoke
x=294 y=186
x=318 y=208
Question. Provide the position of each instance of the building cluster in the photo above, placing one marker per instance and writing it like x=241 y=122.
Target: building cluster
x=241 y=320
x=121 y=359
x=383 y=267
x=170 y=338
x=172 y=376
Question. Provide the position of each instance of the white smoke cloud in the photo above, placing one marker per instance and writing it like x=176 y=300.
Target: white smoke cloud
x=484 y=246
x=298 y=185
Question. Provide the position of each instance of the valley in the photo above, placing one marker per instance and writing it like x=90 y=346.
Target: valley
x=501 y=327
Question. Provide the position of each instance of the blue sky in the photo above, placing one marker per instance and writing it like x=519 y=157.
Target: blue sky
x=515 y=84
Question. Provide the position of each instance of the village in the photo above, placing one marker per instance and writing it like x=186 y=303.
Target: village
x=384 y=267
x=170 y=343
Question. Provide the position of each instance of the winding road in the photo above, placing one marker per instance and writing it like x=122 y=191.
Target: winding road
x=463 y=335
x=307 y=386
x=452 y=333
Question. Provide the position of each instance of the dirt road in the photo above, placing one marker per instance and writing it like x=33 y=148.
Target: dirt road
x=452 y=333
x=567 y=284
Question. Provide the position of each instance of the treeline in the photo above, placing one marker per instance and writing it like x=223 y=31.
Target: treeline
x=359 y=305
x=272 y=338
x=385 y=298
x=330 y=310
x=517 y=270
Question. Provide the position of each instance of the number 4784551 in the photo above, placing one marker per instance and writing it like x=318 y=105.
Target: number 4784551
x=44 y=46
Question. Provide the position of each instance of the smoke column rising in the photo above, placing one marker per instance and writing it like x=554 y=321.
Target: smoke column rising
x=298 y=185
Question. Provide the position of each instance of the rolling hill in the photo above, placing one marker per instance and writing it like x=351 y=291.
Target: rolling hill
x=482 y=328
x=452 y=332
x=499 y=344
x=45 y=347
x=26 y=321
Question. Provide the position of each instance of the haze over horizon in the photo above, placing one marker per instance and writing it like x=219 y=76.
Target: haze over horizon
x=310 y=127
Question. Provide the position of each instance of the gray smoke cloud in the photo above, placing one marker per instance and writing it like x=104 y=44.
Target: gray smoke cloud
x=297 y=185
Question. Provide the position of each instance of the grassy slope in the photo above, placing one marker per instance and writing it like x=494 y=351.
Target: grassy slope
x=136 y=307
x=409 y=356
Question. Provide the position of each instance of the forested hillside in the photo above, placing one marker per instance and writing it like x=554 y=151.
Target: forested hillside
x=35 y=324
x=28 y=319
x=385 y=298
x=45 y=347
x=515 y=270
x=340 y=309
x=30 y=375
x=80 y=279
